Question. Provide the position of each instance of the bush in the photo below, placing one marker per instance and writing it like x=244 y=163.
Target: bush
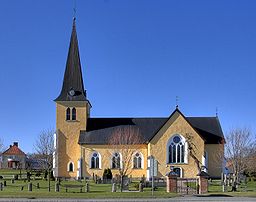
x=107 y=174
x=136 y=185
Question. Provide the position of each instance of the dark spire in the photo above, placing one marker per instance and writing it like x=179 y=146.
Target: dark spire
x=73 y=87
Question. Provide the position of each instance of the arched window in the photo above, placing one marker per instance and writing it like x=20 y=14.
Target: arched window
x=116 y=161
x=178 y=171
x=176 y=150
x=68 y=114
x=73 y=113
x=95 y=160
x=137 y=161
x=70 y=167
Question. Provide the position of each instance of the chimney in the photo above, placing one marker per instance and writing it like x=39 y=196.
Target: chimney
x=15 y=144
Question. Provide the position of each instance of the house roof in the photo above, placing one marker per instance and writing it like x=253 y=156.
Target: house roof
x=13 y=150
x=73 y=79
x=99 y=130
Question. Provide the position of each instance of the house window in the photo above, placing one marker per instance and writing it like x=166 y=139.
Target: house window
x=70 y=167
x=137 y=161
x=68 y=114
x=176 y=150
x=95 y=160
x=74 y=113
x=116 y=161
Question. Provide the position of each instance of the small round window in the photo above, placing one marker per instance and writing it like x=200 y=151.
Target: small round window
x=176 y=139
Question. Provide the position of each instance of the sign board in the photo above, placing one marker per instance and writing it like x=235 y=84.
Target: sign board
x=153 y=166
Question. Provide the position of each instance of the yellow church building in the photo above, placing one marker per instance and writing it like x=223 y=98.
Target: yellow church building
x=85 y=146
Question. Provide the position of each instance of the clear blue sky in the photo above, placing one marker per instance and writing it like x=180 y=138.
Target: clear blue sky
x=137 y=55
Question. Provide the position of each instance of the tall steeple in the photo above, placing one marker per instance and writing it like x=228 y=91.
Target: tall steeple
x=73 y=87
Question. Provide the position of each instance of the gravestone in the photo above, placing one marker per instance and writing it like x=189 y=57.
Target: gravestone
x=114 y=187
x=126 y=183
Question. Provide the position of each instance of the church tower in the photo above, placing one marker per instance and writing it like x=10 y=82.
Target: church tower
x=72 y=111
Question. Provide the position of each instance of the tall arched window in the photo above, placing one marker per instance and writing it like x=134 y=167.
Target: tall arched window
x=95 y=160
x=68 y=114
x=137 y=161
x=73 y=113
x=116 y=160
x=71 y=167
x=176 y=150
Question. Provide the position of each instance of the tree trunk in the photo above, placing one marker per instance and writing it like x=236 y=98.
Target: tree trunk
x=234 y=184
x=121 y=184
x=49 y=182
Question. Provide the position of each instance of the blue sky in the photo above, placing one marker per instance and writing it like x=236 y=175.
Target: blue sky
x=137 y=56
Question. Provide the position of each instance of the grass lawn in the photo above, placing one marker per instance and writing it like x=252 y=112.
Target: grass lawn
x=12 y=172
x=104 y=190
x=96 y=191
x=248 y=189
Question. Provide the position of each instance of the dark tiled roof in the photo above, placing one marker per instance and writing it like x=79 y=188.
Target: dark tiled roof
x=208 y=127
x=73 y=74
x=13 y=150
x=99 y=130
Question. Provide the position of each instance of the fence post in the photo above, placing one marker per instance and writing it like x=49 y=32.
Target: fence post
x=30 y=186
x=12 y=181
x=171 y=182
x=1 y=186
x=5 y=183
x=87 y=187
x=203 y=182
x=37 y=186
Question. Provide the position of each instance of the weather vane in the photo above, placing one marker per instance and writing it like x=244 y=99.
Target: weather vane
x=74 y=10
x=177 y=102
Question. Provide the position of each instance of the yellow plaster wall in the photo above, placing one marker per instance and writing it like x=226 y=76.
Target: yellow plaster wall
x=67 y=136
x=105 y=151
x=215 y=159
x=176 y=125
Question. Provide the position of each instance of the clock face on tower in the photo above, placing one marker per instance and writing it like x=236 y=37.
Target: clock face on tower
x=72 y=92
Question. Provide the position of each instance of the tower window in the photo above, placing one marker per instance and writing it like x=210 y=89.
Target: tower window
x=68 y=114
x=74 y=113
x=71 y=167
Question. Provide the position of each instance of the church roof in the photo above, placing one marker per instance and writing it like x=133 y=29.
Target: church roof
x=73 y=87
x=99 y=130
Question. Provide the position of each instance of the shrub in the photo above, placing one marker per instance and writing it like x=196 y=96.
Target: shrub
x=136 y=185
x=107 y=174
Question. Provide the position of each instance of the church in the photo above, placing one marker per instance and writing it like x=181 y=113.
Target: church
x=85 y=146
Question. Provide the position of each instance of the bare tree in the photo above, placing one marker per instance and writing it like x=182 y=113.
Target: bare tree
x=1 y=145
x=44 y=147
x=124 y=141
x=240 y=143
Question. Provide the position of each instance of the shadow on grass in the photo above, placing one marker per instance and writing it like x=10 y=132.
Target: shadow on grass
x=214 y=195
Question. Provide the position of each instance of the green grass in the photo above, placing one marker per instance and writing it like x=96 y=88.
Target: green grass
x=104 y=190
x=248 y=189
x=96 y=191
x=12 y=172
